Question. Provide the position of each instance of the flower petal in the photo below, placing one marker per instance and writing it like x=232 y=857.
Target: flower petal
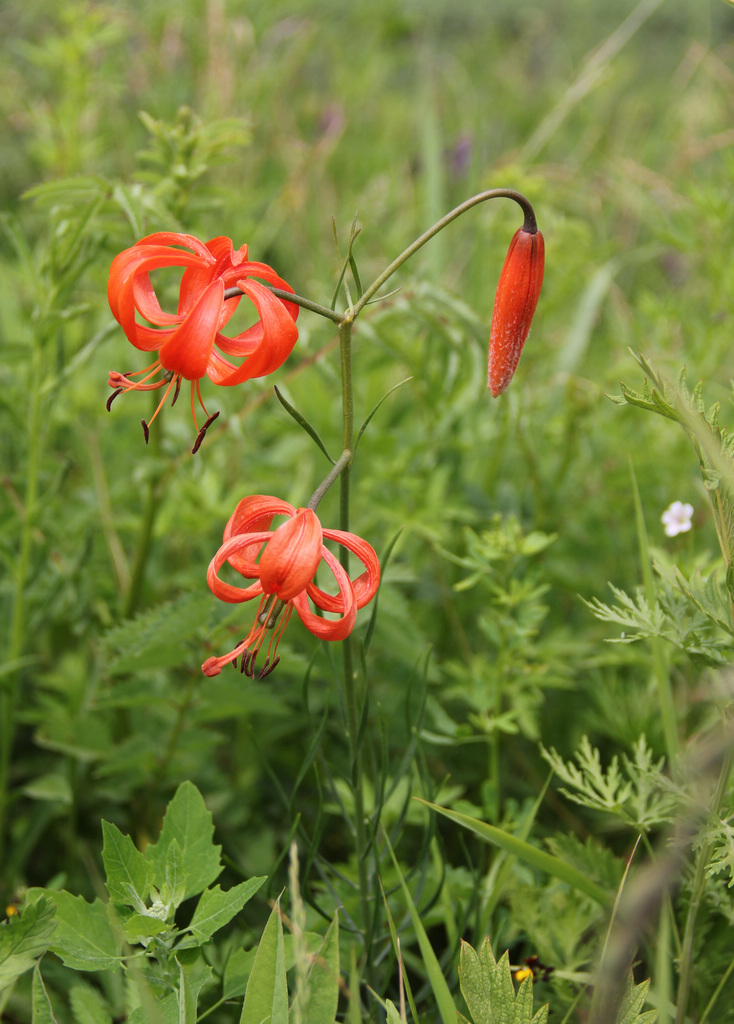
x=330 y=629
x=278 y=336
x=365 y=586
x=292 y=555
x=227 y=591
x=188 y=349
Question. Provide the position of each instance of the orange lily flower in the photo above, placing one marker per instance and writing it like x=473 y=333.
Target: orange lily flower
x=289 y=558
x=514 y=305
x=189 y=342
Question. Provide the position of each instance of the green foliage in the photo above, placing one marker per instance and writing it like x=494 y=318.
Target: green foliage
x=121 y=120
x=634 y=793
x=487 y=987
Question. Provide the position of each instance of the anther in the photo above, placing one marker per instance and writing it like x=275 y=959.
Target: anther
x=112 y=397
x=267 y=668
x=202 y=433
x=178 y=388
x=146 y=430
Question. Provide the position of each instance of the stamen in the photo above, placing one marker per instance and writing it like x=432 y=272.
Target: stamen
x=178 y=388
x=146 y=430
x=112 y=397
x=202 y=433
x=267 y=668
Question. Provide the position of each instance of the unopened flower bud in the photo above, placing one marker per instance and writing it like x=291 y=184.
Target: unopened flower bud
x=514 y=304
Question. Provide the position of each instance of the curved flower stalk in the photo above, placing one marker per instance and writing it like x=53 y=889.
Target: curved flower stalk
x=289 y=558
x=189 y=342
x=514 y=305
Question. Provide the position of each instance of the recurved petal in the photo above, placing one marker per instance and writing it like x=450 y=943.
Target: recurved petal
x=237 y=547
x=364 y=586
x=346 y=605
x=187 y=350
x=292 y=555
x=279 y=335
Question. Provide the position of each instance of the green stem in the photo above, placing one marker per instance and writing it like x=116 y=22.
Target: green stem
x=9 y=686
x=529 y=224
x=340 y=466
x=350 y=681
x=314 y=307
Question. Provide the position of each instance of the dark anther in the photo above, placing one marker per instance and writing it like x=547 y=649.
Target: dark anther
x=267 y=668
x=248 y=663
x=146 y=430
x=202 y=433
x=175 y=394
x=112 y=397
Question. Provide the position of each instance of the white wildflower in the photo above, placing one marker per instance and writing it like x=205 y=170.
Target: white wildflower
x=677 y=518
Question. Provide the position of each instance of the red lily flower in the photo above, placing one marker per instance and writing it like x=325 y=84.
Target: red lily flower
x=189 y=342
x=289 y=558
x=517 y=296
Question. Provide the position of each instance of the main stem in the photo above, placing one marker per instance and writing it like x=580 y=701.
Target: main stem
x=350 y=680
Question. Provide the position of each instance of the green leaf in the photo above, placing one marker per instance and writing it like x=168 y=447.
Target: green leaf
x=126 y=868
x=24 y=938
x=139 y=927
x=191 y=979
x=441 y=991
x=266 y=998
x=86 y=938
x=216 y=908
x=189 y=824
x=530 y=854
x=237 y=972
x=153 y=638
x=88 y=1005
x=376 y=407
x=173 y=890
x=42 y=1011
x=49 y=787
x=488 y=989
x=632 y=1003
x=303 y=423
x=323 y=980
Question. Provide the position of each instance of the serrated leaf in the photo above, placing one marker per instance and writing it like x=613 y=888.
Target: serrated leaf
x=126 y=868
x=216 y=908
x=489 y=991
x=88 y=1005
x=188 y=823
x=153 y=638
x=632 y=1003
x=42 y=1012
x=85 y=937
x=266 y=997
x=24 y=938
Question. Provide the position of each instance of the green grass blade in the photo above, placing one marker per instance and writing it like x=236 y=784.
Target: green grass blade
x=530 y=854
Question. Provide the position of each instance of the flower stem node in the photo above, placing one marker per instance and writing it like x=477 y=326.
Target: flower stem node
x=189 y=342
x=514 y=305
x=289 y=557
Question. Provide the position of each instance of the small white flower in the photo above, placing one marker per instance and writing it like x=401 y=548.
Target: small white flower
x=677 y=518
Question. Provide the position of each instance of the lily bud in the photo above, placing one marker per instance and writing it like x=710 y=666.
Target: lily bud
x=514 y=304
